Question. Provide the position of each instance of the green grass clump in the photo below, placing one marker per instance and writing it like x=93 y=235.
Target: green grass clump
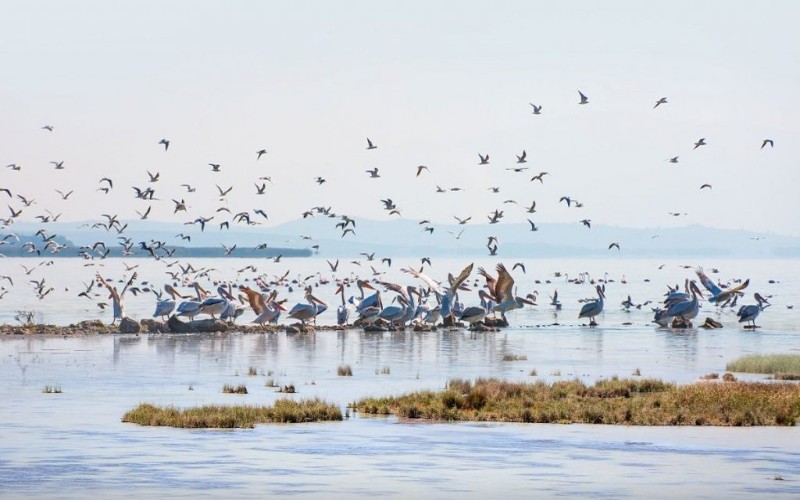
x=614 y=401
x=240 y=416
x=229 y=389
x=344 y=371
x=52 y=389
x=515 y=357
x=766 y=363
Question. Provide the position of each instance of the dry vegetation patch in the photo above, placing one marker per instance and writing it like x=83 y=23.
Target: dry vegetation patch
x=631 y=402
x=244 y=416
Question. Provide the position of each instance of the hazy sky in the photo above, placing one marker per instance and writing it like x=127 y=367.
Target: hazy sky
x=431 y=83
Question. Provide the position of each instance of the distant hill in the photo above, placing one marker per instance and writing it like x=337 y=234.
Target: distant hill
x=408 y=238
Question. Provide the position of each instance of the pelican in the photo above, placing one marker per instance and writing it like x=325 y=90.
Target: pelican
x=191 y=308
x=717 y=294
x=395 y=313
x=751 y=312
x=365 y=302
x=472 y=315
x=310 y=310
x=164 y=307
x=593 y=308
x=267 y=310
x=116 y=297
x=501 y=291
x=686 y=309
x=343 y=312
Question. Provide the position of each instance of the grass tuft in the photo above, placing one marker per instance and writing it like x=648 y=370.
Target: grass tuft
x=766 y=363
x=241 y=416
x=637 y=373
x=710 y=376
x=515 y=357
x=728 y=377
x=613 y=401
x=252 y=371
x=533 y=372
x=229 y=389
x=52 y=389
x=344 y=371
x=288 y=389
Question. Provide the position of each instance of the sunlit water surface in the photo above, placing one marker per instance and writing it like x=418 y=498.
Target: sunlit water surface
x=73 y=444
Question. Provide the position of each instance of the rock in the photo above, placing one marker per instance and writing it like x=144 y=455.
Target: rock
x=154 y=326
x=495 y=322
x=127 y=325
x=201 y=326
x=711 y=324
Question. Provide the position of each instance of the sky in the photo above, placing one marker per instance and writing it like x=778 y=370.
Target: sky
x=431 y=83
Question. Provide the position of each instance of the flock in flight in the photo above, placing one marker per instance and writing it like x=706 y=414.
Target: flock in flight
x=427 y=301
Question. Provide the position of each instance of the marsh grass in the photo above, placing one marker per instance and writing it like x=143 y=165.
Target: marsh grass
x=515 y=357
x=243 y=416
x=252 y=371
x=614 y=401
x=766 y=363
x=383 y=371
x=728 y=377
x=288 y=389
x=710 y=376
x=52 y=389
x=533 y=373
x=786 y=376
x=556 y=373
x=271 y=382
x=344 y=371
x=637 y=373
x=229 y=389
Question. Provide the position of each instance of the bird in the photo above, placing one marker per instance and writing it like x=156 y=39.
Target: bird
x=59 y=165
x=373 y=173
x=532 y=209
x=705 y=186
x=484 y=159
x=420 y=169
x=165 y=142
x=584 y=99
x=663 y=100
x=587 y=223
x=533 y=226
x=538 y=177
x=319 y=180
x=64 y=196
x=537 y=110
x=260 y=152
x=215 y=167
x=767 y=141
x=519 y=265
x=262 y=188
x=751 y=312
x=701 y=142
x=49 y=128
x=521 y=158
x=612 y=245
x=593 y=307
x=223 y=192
x=674 y=159
x=370 y=145
x=462 y=221
x=154 y=177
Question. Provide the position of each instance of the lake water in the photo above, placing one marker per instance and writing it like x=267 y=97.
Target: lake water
x=74 y=445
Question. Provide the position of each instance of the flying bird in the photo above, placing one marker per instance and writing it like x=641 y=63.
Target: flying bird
x=214 y=167
x=49 y=128
x=767 y=141
x=521 y=158
x=165 y=142
x=587 y=223
x=538 y=177
x=533 y=226
x=584 y=99
x=59 y=165
x=373 y=173
x=537 y=110
x=674 y=159
x=701 y=142
x=421 y=168
x=705 y=186
x=484 y=159
x=615 y=244
x=319 y=180
x=663 y=100
x=260 y=152
x=370 y=145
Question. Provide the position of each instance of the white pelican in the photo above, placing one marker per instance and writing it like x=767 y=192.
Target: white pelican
x=343 y=312
x=686 y=309
x=593 y=308
x=164 y=307
x=717 y=294
x=116 y=297
x=751 y=312
x=304 y=312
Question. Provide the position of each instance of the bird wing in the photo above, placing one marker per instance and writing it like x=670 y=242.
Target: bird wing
x=425 y=279
x=706 y=281
x=255 y=299
x=461 y=278
x=491 y=282
x=505 y=284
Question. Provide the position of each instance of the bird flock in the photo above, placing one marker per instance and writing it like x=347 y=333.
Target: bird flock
x=427 y=302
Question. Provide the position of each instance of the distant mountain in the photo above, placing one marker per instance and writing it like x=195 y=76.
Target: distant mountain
x=399 y=238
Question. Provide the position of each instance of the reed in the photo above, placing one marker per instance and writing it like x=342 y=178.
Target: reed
x=252 y=371
x=52 y=389
x=230 y=389
x=344 y=371
x=240 y=416
x=614 y=401
x=766 y=363
x=515 y=357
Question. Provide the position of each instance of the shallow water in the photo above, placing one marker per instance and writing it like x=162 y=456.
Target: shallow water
x=74 y=444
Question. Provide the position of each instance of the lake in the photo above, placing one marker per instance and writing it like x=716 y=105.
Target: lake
x=74 y=445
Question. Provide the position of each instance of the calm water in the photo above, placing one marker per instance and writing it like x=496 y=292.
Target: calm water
x=73 y=444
